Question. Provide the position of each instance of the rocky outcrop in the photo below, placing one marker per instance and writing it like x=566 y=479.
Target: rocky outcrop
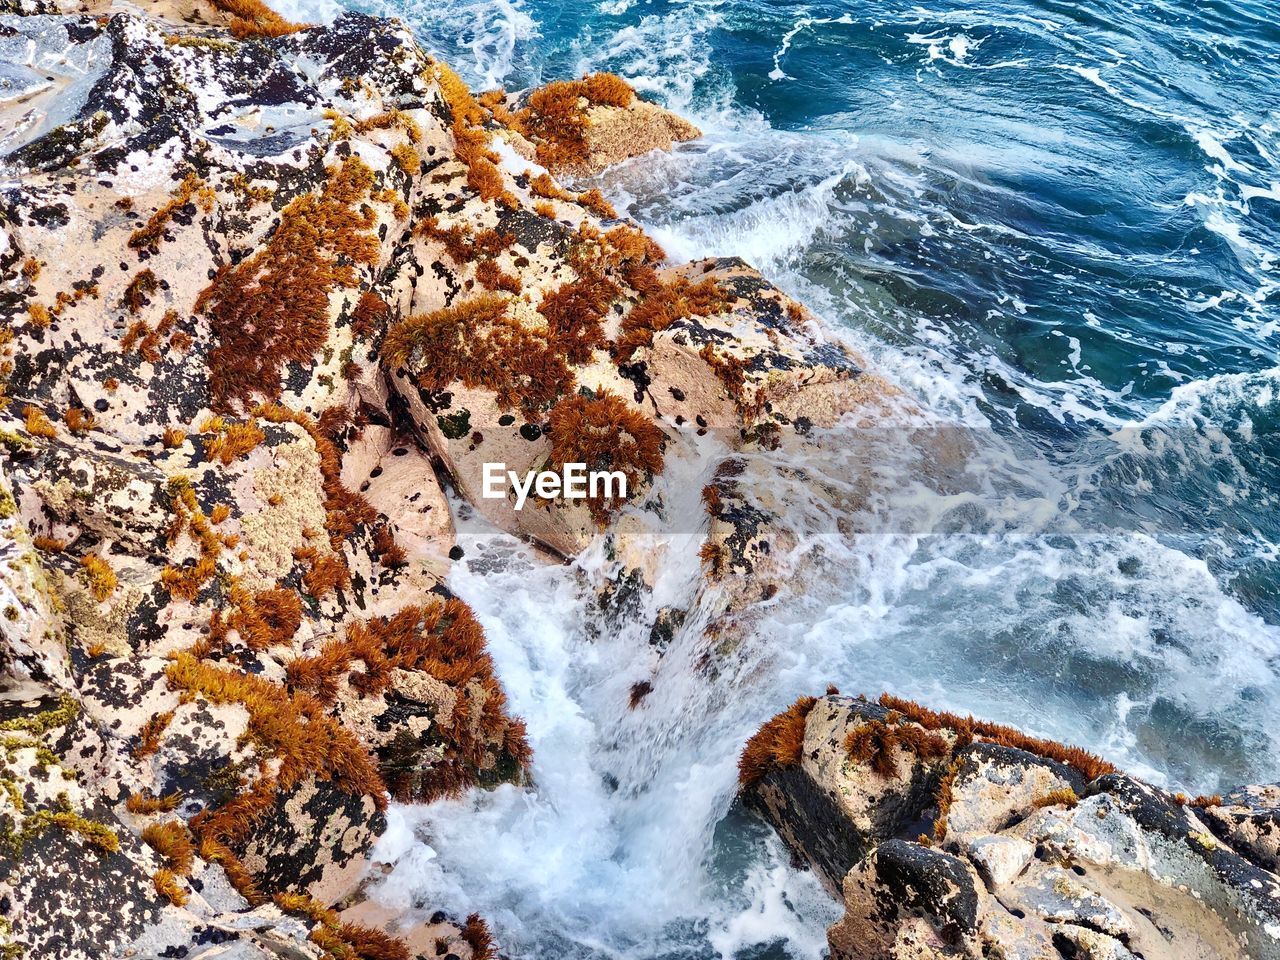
x=1248 y=818
x=950 y=837
x=267 y=292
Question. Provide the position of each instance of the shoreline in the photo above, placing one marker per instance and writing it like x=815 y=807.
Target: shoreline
x=253 y=330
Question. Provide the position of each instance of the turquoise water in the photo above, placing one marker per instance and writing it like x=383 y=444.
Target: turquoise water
x=1056 y=224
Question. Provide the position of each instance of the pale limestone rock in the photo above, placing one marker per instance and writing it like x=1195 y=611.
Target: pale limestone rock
x=997 y=785
x=1126 y=871
x=1249 y=819
x=999 y=859
x=616 y=133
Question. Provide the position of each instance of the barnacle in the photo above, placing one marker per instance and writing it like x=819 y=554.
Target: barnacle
x=345 y=510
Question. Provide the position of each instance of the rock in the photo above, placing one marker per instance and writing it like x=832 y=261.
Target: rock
x=757 y=358
x=1248 y=819
x=1090 y=944
x=437 y=937
x=996 y=785
x=31 y=636
x=835 y=810
x=898 y=885
x=74 y=880
x=1057 y=897
x=615 y=134
x=577 y=128
x=263 y=933
x=1044 y=857
x=239 y=598
x=999 y=859
x=1005 y=936
x=741 y=358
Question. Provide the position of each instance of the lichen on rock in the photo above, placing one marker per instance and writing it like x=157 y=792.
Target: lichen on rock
x=272 y=296
x=991 y=842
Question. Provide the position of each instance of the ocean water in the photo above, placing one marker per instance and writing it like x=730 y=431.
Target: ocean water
x=1057 y=225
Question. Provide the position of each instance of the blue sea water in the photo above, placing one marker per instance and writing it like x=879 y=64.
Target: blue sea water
x=1055 y=222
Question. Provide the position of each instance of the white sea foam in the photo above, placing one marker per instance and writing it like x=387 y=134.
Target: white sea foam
x=665 y=55
x=949 y=48
x=1101 y=639
x=491 y=32
x=308 y=11
x=804 y=23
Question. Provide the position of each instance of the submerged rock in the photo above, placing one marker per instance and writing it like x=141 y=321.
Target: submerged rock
x=949 y=837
